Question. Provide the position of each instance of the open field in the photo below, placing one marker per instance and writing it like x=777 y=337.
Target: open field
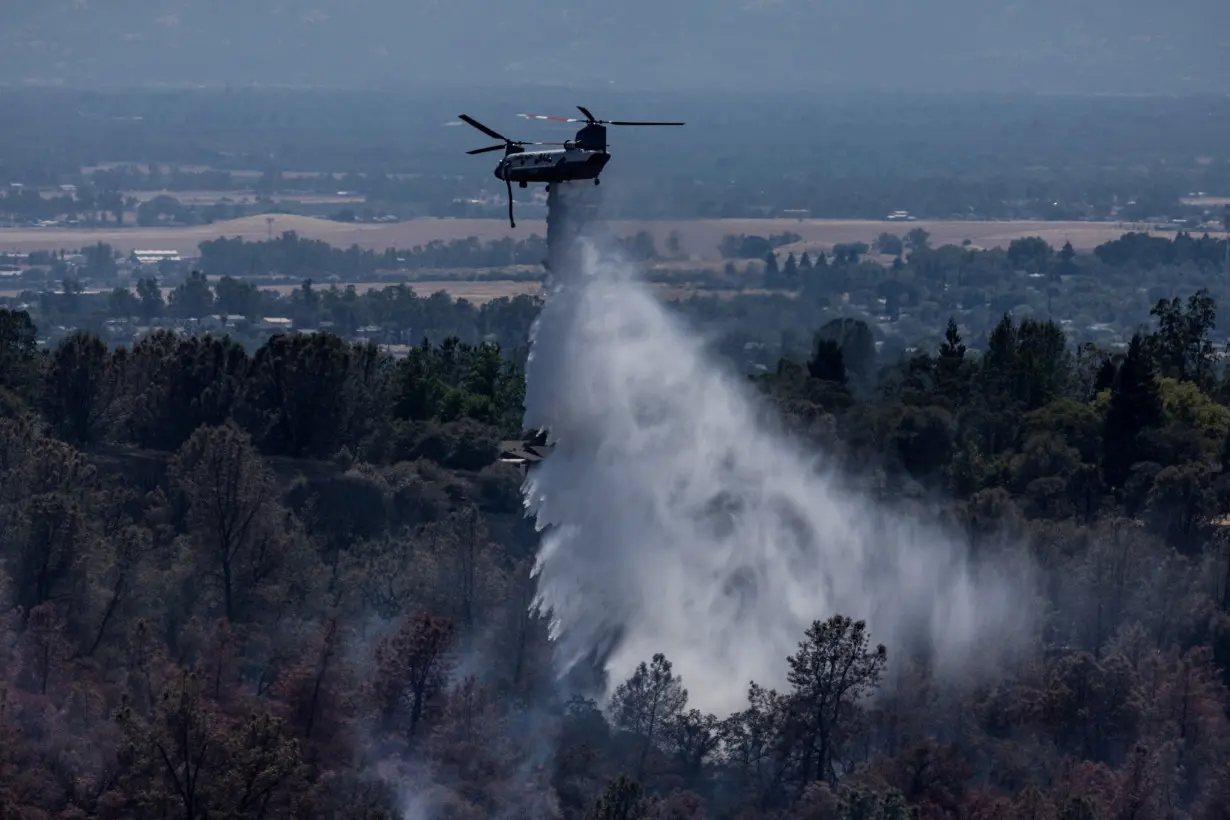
x=203 y=198
x=699 y=238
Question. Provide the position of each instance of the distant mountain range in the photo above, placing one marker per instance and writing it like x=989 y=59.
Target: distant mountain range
x=1081 y=46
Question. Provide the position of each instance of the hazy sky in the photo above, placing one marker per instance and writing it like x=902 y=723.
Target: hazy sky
x=936 y=45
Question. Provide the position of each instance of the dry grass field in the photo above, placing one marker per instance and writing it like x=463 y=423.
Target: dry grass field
x=699 y=238
x=203 y=198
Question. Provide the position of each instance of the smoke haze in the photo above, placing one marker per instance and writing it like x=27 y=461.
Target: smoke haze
x=1086 y=46
x=676 y=522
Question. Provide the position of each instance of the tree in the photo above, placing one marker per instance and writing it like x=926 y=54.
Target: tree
x=122 y=303
x=412 y=668
x=80 y=388
x=673 y=245
x=918 y=239
x=826 y=362
x=1031 y=254
x=152 y=304
x=953 y=346
x=890 y=244
x=790 y=273
x=858 y=349
x=192 y=299
x=295 y=400
x=1181 y=346
x=1135 y=405
x=623 y=799
x=99 y=261
x=1067 y=254
x=18 y=348
x=832 y=671
x=772 y=274
x=187 y=760
x=235 y=297
x=233 y=515
x=647 y=705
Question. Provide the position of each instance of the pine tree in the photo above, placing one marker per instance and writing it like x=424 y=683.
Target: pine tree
x=790 y=273
x=772 y=274
x=953 y=347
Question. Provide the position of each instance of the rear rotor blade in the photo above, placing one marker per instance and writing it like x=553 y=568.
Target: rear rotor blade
x=483 y=128
x=624 y=122
x=588 y=116
x=545 y=117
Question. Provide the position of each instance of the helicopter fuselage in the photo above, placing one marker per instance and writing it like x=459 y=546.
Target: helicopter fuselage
x=558 y=165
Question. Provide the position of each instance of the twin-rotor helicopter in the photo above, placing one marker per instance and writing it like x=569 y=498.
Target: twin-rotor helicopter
x=582 y=157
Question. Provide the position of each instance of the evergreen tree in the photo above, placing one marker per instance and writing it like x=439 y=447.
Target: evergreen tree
x=827 y=362
x=1135 y=405
x=790 y=273
x=772 y=274
x=953 y=346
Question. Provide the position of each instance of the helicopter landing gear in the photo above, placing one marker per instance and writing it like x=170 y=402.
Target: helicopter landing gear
x=595 y=180
x=548 y=189
x=523 y=183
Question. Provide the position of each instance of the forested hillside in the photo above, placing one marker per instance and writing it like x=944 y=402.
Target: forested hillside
x=295 y=583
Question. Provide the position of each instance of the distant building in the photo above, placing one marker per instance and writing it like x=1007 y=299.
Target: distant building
x=274 y=324
x=154 y=257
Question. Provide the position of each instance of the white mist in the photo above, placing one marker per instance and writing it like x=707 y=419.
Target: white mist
x=676 y=522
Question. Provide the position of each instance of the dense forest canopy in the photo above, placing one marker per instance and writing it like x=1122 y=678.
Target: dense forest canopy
x=294 y=581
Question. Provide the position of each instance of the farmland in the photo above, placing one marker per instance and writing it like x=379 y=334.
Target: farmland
x=697 y=238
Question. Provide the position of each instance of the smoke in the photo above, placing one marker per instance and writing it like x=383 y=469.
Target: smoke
x=678 y=522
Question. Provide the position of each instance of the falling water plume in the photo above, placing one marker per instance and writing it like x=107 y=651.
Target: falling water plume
x=675 y=521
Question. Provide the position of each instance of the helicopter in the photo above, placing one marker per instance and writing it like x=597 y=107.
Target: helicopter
x=582 y=157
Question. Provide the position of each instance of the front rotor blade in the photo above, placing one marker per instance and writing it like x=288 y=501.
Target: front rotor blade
x=488 y=148
x=483 y=128
x=624 y=122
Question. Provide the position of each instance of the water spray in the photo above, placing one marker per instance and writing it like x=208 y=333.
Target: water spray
x=674 y=521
